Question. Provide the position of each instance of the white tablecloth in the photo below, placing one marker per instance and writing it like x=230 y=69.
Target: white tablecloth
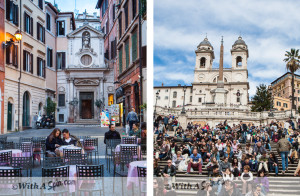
x=132 y=177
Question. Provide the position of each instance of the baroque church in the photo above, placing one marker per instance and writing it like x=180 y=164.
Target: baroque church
x=86 y=78
x=211 y=86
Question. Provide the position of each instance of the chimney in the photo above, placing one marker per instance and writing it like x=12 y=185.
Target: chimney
x=162 y=84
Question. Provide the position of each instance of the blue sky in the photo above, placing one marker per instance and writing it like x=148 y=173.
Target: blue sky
x=81 y=5
x=269 y=28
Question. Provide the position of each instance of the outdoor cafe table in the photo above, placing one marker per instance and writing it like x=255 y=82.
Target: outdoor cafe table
x=138 y=140
x=132 y=177
x=118 y=149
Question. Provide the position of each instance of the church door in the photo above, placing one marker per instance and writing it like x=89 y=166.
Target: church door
x=86 y=105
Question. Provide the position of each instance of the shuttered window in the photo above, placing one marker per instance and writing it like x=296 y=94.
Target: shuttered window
x=61 y=100
x=127 y=53
x=40 y=32
x=120 y=26
x=60 y=27
x=15 y=56
x=133 y=9
x=61 y=60
x=41 y=69
x=120 y=61
x=49 y=57
x=126 y=16
x=134 y=46
x=28 y=24
x=41 y=2
x=12 y=12
x=27 y=61
x=48 y=21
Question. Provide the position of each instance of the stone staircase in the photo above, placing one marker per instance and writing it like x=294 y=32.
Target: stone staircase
x=285 y=184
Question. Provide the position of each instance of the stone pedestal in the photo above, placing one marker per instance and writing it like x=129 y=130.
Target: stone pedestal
x=182 y=119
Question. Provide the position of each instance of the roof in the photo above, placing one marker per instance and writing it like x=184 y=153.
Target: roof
x=171 y=86
x=240 y=41
x=283 y=76
x=72 y=18
x=52 y=7
x=98 y=5
x=205 y=42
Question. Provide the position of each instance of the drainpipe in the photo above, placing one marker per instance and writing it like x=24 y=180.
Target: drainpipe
x=141 y=57
x=20 y=76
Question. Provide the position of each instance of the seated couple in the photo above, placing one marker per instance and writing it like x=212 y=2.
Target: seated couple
x=54 y=141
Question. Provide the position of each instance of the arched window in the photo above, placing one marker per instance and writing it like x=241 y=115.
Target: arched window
x=173 y=104
x=174 y=94
x=238 y=61
x=202 y=62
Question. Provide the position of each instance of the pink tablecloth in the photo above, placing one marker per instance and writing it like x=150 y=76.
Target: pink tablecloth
x=61 y=149
x=132 y=177
x=118 y=149
x=14 y=152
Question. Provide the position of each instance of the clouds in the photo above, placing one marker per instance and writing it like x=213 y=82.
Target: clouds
x=81 y=5
x=269 y=28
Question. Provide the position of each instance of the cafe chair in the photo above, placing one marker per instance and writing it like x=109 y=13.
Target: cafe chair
x=142 y=175
x=5 y=158
x=76 y=159
x=8 y=178
x=15 y=172
x=129 y=140
x=26 y=149
x=110 y=149
x=8 y=145
x=25 y=163
x=62 y=171
x=133 y=149
x=90 y=179
x=50 y=162
x=90 y=147
x=25 y=139
x=121 y=164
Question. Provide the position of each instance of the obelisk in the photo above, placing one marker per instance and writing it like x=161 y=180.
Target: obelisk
x=219 y=93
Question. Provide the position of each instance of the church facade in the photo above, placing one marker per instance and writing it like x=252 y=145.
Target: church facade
x=211 y=86
x=84 y=85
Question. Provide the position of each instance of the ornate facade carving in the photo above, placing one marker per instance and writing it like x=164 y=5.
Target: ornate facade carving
x=86 y=82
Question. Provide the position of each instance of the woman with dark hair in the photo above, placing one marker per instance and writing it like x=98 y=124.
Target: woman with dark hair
x=263 y=181
x=273 y=163
x=53 y=141
x=135 y=131
x=235 y=167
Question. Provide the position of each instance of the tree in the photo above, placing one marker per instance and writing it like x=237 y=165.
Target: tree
x=262 y=100
x=293 y=64
x=50 y=107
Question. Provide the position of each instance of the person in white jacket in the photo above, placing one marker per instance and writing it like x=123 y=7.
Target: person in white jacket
x=247 y=178
x=227 y=175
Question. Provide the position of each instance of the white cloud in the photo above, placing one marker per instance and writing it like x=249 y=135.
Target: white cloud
x=268 y=28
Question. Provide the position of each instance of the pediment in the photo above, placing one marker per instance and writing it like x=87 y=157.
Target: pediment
x=86 y=27
x=86 y=82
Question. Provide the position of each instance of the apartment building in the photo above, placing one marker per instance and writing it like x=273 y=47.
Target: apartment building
x=2 y=65
x=25 y=75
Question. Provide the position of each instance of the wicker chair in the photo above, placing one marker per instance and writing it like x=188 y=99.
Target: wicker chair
x=25 y=163
x=50 y=162
x=5 y=158
x=110 y=149
x=142 y=174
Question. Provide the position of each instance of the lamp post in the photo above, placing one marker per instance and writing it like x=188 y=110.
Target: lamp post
x=184 y=90
x=18 y=39
x=157 y=93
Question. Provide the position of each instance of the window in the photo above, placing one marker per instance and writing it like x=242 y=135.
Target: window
x=199 y=99
x=298 y=98
x=61 y=28
x=41 y=2
x=61 y=100
x=173 y=104
x=127 y=53
x=28 y=27
x=12 y=55
x=107 y=27
x=175 y=94
x=86 y=60
x=166 y=97
x=166 y=90
x=133 y=9
x=202 y=62
x=298 y=91
x=48 y=22
x=110 y=99
x=114 y=12
x=285 y=105
x=49 y=57
x=238 y=61
x=158 y=97
x=120 y=61
x=192 y=90
x=104 y=7
x=61 y=60
x=120 y=26
x=61 y=117
x=12 y=12
x=27 y=61
x=238 y=99
x=40 y=32
x=113 y=49
x=134 y=45
x=191 y=98
x=40 y=67
x=126 y=15
x=278 y=103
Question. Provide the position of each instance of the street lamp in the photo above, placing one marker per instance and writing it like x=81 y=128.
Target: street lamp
x=157 y=93
x=184 y=90
x=17 y=38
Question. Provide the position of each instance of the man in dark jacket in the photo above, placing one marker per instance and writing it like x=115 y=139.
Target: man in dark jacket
x=67 y=140
x=169 y=170
x=111 y=134
x=229 y=189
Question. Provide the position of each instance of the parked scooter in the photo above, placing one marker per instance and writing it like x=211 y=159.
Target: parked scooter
x=50 y=121
x=41 y=121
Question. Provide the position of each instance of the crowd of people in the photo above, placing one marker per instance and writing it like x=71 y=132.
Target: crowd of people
x=228 y=152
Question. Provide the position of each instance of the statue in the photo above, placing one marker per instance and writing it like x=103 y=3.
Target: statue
x=86 y=40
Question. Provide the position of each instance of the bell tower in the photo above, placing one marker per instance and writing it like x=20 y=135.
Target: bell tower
x=204 y=55
x=239 y=54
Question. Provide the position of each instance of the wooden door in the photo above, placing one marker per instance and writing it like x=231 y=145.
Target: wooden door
x=86 y=109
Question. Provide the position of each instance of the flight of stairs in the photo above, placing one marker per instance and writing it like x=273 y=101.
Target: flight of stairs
x=286 y=184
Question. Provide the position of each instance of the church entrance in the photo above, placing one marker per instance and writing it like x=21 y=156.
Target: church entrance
x=86 y=105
